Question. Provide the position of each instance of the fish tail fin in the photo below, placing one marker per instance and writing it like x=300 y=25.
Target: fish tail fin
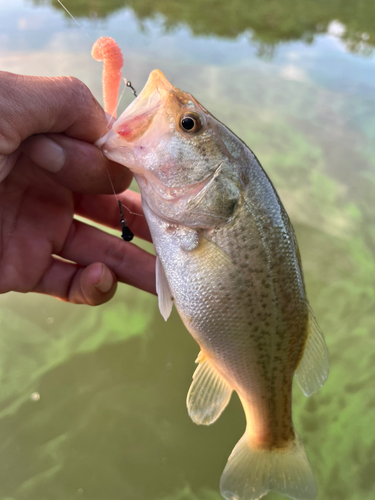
x=251 y=472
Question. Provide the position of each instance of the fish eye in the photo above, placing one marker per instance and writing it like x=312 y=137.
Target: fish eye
x=191 y=123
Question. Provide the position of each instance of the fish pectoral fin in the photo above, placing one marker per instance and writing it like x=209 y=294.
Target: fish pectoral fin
x=312 y=371
x=163 y=291
x=209 y=393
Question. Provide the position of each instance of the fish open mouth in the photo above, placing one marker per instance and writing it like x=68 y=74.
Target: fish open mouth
x=137 y=118
x=130 y=130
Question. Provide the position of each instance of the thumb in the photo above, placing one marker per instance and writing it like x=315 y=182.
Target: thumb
x=7 y=162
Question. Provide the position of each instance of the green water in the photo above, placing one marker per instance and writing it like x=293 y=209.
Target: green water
x=92 y=401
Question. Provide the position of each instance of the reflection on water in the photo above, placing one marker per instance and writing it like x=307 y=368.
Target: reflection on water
x=265 y=23
x=111 y=419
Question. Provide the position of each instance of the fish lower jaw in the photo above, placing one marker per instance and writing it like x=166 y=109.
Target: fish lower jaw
x=116 y=149
x=124 y=156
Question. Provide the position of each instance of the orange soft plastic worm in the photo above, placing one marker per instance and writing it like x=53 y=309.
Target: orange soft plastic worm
x=106 y=49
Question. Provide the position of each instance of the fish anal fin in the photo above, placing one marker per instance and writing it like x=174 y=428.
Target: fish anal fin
x=209 y=393
x=201 y=357
x=251 y=473
x=163 y=291
x=312 y=370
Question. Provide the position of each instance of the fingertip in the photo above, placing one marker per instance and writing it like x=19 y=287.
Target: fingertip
x=106 y=279
x=98 y=284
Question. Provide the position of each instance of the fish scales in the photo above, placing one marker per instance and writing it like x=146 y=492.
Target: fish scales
x=237 y=303
x=227 y=257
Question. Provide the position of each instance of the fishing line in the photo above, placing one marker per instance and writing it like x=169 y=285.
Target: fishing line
x=134 y=92
x=75 y=20
x=127 y=234
x=112 y=120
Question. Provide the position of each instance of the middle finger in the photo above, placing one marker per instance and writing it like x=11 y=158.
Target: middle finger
x=86 y=244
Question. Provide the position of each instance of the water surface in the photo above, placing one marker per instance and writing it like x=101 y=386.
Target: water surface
x=92 y=401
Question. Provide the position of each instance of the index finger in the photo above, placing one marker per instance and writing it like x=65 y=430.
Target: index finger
x=35 y=105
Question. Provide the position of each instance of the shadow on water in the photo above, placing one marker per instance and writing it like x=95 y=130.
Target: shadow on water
x=267 y=24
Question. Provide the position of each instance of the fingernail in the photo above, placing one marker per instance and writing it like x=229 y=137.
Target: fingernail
x=105 y=282
x=45 y=152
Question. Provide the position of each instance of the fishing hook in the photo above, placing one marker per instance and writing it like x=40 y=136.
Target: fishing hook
x=129 y=84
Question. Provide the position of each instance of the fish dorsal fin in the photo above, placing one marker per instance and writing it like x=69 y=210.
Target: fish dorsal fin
x=209 y=393
x=312 y=371
x=163 y=291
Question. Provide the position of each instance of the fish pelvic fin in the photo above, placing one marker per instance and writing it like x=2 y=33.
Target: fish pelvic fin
x=163 y=291
x=209 y=393
x=312 y=370
x=251 y=472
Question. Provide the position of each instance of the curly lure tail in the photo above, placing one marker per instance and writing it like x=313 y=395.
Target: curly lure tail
x=106 y=49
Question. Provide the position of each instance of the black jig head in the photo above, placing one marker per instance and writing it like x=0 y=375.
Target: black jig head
x=127 y=234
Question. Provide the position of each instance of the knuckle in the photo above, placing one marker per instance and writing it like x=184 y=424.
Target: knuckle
x=81 y=95
x=79 y=98
x=78 y=88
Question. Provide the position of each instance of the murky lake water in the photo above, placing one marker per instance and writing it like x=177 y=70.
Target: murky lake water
x=92 y=401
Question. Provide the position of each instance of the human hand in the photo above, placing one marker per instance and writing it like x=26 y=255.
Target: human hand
x=49 y=171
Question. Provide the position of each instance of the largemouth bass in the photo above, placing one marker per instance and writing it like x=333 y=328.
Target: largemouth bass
x=228 y=258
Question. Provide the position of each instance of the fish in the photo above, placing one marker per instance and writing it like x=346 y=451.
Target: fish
x=228 y=259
